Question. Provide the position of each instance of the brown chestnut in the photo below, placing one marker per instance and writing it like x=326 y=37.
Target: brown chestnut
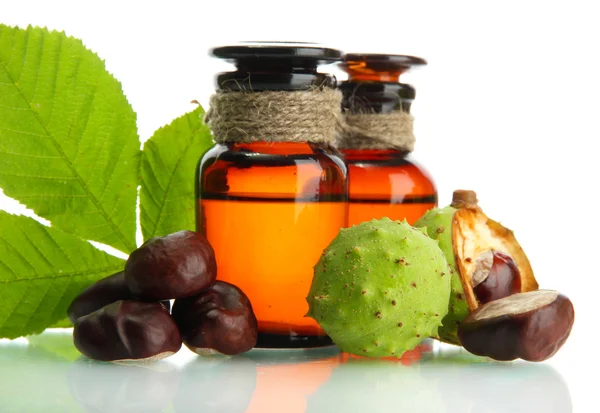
x=219 y=319
x=174 y=266
x=127 y=330
x=496 y=276
x=531 y=326
x=107 y=290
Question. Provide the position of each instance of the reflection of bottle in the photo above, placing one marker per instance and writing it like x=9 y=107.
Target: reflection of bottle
x=383 y=180
x=131 y=388
x=286 y=379
x=216 y=385
x=476 y=384
x=272 y=193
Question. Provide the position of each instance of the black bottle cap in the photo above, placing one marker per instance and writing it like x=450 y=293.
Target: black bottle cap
x=373 y=82
x=302 y=52
x=275 y=66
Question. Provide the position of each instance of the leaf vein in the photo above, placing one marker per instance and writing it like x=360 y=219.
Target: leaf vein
x=52 y=178
x=25 y=155
x=60 y=248
x=39 y=135
x=65 y=274
x=57 y=69
x=11 y=246
x=34 y=245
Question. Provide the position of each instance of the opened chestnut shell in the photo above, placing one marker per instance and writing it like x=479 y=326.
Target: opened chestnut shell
x=532 y=326
x=127 y=330
x=478 y=240
x=106 y=291
x=219 y=319
x=174 y=266
x=471 y=241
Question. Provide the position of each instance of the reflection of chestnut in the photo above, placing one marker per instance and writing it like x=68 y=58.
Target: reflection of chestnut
x=496 y=276
x=174 y=266
x=468 y=383
x=107 y=290
x=128 y=388
x=222 y=385
x=531 y=326
x=219 y=319
x=127 y=330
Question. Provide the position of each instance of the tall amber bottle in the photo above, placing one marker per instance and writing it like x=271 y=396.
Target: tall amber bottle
x=269 y=206
x=384 y=180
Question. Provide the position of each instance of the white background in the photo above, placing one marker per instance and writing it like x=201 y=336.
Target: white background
x=509 y=104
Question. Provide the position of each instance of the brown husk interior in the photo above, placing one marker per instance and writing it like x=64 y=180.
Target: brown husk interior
x=474 y=233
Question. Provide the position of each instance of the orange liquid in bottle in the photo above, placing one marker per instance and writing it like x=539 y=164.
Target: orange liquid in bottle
x=269 y=210
x=383 y=183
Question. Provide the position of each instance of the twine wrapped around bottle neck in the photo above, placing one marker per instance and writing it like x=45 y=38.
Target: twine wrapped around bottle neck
x=378 y=131
x=275 y=116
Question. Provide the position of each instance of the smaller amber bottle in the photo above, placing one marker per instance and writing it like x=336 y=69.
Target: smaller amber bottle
x=384 y=180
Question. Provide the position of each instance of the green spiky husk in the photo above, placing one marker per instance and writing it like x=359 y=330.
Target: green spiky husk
x=438 y=223
x=379 y=289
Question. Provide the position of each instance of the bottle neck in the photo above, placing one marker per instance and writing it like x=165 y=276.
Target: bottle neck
x=278 y=76
x=376 y=97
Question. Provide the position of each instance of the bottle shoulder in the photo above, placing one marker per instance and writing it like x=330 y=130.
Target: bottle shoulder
x=274 y=155
x=387 y=172
x=283 y=170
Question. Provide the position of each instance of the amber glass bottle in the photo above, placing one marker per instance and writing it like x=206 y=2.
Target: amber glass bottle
x=383 y=182
x=270 y=208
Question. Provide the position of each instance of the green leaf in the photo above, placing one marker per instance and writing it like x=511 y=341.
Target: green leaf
x=41 y=270
x=64 y=323
x=69 y=148
x=169 y=159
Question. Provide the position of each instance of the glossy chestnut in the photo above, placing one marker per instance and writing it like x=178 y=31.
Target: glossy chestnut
x=127 y=330
x=174 y=266
x=219 y=319
x=532 y=326
x=496 y=276
x=107 y=290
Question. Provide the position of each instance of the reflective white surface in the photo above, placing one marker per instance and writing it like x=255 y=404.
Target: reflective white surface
x=47 y=374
